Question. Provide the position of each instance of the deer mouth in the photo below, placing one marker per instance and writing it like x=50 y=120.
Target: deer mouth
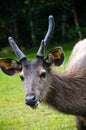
x=36 y=105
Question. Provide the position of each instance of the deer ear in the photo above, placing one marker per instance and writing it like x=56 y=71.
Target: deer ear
x=10 y=66
x=55 y=57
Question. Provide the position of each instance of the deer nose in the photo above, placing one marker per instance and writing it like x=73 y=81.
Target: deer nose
x=31 y=101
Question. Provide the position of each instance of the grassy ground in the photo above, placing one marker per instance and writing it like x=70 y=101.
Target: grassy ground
x=15 y=115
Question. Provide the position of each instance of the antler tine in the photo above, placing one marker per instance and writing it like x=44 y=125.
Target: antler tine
x=16 y=49
x=44 y=42
x=50 y=30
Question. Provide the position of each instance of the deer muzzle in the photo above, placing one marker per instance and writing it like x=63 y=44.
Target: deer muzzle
x=32 y=101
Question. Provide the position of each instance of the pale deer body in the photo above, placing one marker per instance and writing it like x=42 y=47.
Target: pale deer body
x=65 y=92
x=78 y=57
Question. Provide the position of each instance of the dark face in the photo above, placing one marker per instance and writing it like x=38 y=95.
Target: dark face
x=34 y=77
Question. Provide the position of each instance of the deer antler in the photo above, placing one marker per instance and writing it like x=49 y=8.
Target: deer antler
x=16 y=49
x=44 y=42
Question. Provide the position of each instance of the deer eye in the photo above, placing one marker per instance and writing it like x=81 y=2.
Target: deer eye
x=42 y=74
x=22 y=77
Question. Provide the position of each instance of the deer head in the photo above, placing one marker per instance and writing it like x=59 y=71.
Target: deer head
x=34 y=74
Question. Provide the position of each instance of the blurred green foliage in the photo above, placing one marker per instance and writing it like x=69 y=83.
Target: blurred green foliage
x=27 y=21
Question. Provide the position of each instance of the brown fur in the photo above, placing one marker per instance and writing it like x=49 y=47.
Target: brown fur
x=67 y=92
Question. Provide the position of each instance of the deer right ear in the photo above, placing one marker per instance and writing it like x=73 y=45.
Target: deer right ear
x=10 y=66
x=55 y=57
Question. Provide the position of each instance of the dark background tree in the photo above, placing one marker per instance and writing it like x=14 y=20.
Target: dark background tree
x=26 y=20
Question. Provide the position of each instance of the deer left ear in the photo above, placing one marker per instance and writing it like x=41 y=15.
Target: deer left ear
x=10 y=66
x=55 y=57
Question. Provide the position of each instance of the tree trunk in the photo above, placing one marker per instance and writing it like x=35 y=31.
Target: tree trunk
x=30 y=21
x=64 y=27
x=77 y=23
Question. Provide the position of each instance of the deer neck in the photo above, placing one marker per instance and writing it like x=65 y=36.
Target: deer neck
x=67 y=93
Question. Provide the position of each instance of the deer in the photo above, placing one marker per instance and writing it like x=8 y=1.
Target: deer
x=64 y=91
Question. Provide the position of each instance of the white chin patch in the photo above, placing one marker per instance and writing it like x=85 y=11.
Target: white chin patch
x=36 y=105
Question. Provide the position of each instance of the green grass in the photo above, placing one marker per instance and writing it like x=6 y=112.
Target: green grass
x=15 y=115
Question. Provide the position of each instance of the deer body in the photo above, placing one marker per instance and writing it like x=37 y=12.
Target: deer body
x=66 y=92
x=78 y=57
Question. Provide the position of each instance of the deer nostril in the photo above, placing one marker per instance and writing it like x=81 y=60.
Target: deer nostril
x=31 y=100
